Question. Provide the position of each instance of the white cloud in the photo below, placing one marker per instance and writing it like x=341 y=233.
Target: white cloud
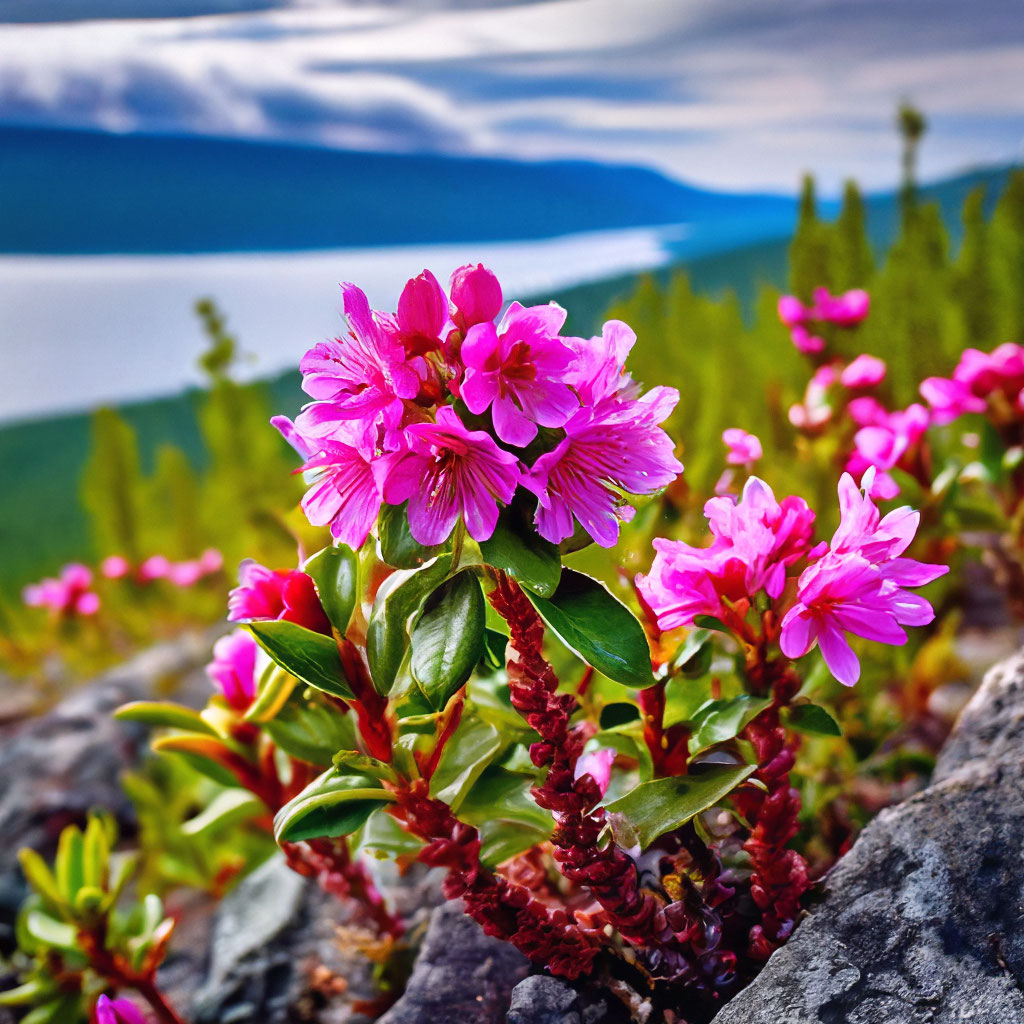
x=735 y=96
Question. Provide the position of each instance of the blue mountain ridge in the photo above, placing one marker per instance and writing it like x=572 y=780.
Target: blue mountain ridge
x=70 y=191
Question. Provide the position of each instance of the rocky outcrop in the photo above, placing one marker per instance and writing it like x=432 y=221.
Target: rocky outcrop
x=922 y=922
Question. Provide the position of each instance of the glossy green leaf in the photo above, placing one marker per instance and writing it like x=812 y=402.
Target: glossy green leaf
x=448 y=639
x=598 y=628
x=335 y=571
x=330 y=806
x=309 y=728
x=384 y=839
x=227 y=808
x=31 y=992
x=48 y=932
x=661 y=805
x=69 y=864
x=163 y=715
x=722 y=720
x=812 y=719
x=397 y=546
x=693 y=657
x=400 y=597
x=517 y=549
x=275 y=688
x=502 y=840
x=710 y=622
x=495 y=646
x=472 y=747
x=66 y=1009
x=311 y=657
x=499 y=795
x=353 y=761
x=95 y=853
x=39 y=876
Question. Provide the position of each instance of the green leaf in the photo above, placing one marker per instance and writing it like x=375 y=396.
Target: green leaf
x=69 y=864
x=308 y=728
x=502 y=796
x=276 y=686
x=227 y=808
x=710 y=622
x=598 y=628
x=48 y=932
x=448 y=640
x=397 y=546
x=66 y=1009
x=659 y=806
x=330 y=806
x=39 y=876
x=502 y=840
x=311 y=657
x=812 y=719
x=693 y=656
x=722 y=720
x=352 y=760
x=400 y=597
x=30 y=992
x=335 y=571
x=472 y=747
x=95 y=853
x=163 y=715
x=384 y=839
x=495 y=646
x=517 y=549
x=990 y=452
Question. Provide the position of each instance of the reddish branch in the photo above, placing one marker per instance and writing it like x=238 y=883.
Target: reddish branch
x=779 y=877
x=330 y=863
x=504 y=909
x=370 y=707
x=671 y=938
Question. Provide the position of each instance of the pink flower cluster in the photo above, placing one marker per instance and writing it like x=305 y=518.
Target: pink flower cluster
x=118 y=1011
x=158 y=567
x=846 y=310
x=68 y=596
x=854 y=585
x=445 y=407
x=979 y=381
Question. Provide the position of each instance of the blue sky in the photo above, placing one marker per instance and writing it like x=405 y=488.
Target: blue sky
x=732 y=94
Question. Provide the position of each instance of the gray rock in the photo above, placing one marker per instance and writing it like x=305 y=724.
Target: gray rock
x=541 y=999
x=461 y=975
x=921 y=922
x=56 y=767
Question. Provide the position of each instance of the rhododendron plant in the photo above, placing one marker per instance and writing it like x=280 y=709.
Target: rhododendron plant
x=630 y=815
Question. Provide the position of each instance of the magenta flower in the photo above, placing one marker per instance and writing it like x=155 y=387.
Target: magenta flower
x=977 y=377
x=346 y=490
x=845 y=310
x=476 y=295
x=518 y=370
x=743 y=448
x=886 y=444
x=949 y=399
x=68 y=595
x=859 y=586
x=185 y=574
x=864 y=372
x=598 y=765
x=115 y=567
x=755 y=541
x=616 y=445
x=118 y=1011
x=211 y=561
x=816 y=409
x=447 y=472
x=805 y=342
x=598 y=372
x=156 y=567
x=364 y=377
x=233 y=669
x=422 y=314
x=792 y=312
x=287 y=594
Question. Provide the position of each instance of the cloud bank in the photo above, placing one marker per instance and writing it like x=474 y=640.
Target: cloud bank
x=740 y=95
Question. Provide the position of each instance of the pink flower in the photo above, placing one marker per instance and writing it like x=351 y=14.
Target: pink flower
x=755 y=541
x=476 y=295
x=950 y=399
x=598 y=765
x=616 y=445
x=185 y=574
x=422 y=313
x=287 y=594
x=115 y=567
x=792 y=312
x=364 y=377
x=233 y=669
x=518 y=370
x=449 y=471
x=347 y=488
x=886 y=444
x=845 y=310
x=816 y=409
x=864 y=372
x=118 y=1011
x=156 y=567
x=977 y=377
x=804 y=341
x=69 y=595
x=598 y=372
x=743 y=448
x=211 y=561
x=858 y=586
